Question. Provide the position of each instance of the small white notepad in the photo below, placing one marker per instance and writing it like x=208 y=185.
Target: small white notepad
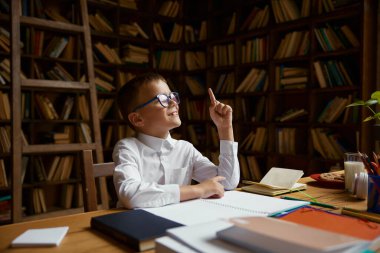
x=43 y=237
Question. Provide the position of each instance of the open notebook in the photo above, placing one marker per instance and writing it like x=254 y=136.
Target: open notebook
x=277 y=181
x=233 y=204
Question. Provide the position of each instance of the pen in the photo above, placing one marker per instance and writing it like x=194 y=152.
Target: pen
x=312 y=203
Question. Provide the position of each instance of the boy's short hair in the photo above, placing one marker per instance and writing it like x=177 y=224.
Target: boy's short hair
x=127 y=95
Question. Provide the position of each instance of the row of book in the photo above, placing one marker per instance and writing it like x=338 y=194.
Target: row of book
x=289 y=10
x=5 y=139
x=333 y=73
x=292 y=114
x=334 y=109
x=5 y=109
x=225 y=83
x=255 y=141
x=5 y=44
x=135 y=54
x=196 y=110
x=255 y=80
x=250 y=169
x=195 y=60
x=295 y=43
x=192 y=34
x=59 y=169
x=116 y=133
x=196 y=85
x=328 y=144
x=258 y=17
x=333 y=38
x=286 y=141
x=223 y=55
x=169 y=9
x=99 y=22
x=106 y=54
x=3 y=175
x=175 y=36
x=254 y=50
x=290 y=77
x=67 y=200
x=5 y=72
x=133 y=29
x=253 y=110
x=168 y=60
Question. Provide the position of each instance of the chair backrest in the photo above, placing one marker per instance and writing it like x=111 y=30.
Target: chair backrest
x=90 y=172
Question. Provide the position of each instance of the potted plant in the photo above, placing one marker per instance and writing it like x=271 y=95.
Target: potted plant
x=375 y=99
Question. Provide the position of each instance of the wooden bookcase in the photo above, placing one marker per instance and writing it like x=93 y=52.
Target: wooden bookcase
x=208 y=48
x=290 y=143
x=45 y=174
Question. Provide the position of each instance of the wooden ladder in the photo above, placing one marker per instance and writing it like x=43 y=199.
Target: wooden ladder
x=18 y=149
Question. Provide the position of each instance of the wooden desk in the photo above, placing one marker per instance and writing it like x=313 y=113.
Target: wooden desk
x=336 y=197
x=81 y=238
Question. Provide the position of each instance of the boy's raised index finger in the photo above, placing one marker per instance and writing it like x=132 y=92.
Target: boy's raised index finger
x=212 y=97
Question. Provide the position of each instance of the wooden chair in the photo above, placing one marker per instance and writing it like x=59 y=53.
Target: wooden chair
x=90 y=172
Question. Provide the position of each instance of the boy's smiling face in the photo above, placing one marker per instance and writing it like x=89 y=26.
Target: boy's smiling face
x=154 y=119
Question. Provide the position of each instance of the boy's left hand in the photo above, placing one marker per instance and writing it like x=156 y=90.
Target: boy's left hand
x=221 y=114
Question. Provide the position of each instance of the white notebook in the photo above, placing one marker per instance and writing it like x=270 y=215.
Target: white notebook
x=43 y=237
x=233 y=204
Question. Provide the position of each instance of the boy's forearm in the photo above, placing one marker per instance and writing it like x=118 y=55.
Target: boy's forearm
x=226 y=133
x=188 y=192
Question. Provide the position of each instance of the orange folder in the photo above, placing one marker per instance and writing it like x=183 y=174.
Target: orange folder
x=351 y=226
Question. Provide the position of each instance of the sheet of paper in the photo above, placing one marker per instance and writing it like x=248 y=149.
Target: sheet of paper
x=233 y=204
x=43 y=237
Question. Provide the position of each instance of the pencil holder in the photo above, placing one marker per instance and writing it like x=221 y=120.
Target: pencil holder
x=373 y=201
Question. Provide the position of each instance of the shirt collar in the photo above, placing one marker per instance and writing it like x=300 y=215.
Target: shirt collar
x=155 y=143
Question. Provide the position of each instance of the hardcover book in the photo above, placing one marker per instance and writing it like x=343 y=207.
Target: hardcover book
x=137 y=228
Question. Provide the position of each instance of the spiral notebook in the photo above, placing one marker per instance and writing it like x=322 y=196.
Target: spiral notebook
x=233 y=204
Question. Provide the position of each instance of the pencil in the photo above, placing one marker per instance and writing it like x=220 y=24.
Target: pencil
x=361 y=214
x=313 y=203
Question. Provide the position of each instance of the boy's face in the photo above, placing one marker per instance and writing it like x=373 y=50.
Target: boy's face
x=154 y=119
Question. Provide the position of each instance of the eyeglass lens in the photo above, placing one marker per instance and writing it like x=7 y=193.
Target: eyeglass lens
x=165 y=99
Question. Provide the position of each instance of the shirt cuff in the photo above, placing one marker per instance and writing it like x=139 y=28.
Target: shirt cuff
x=172 y=194
x=228 y=147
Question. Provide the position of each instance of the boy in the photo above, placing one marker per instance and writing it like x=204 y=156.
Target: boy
x=153 y=169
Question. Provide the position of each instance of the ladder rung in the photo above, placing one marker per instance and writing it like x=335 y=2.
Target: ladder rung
x=38 y=83
x=54 y=148
x=56 y=25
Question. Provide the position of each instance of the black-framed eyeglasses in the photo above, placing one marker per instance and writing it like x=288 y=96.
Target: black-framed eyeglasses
x=162 y=98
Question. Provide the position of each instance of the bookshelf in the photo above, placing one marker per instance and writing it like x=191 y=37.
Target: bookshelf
x=287 y=49
x=51 y=73
x=278 y=71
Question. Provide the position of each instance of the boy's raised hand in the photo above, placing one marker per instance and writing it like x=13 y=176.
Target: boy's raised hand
x=221 y=114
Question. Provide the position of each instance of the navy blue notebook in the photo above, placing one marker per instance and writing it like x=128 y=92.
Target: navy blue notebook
x=136 y=228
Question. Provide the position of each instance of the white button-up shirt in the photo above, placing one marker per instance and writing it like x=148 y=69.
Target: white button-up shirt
x=149 y=170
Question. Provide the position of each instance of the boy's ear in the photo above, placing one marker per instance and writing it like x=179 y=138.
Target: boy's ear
x=135 y=119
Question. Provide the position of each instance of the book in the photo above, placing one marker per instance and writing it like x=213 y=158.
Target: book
x=277 y=181
x=319 y=219
x=197 y=238
x=232 y=204
x=42 y=237
x=137 y=228
x=264 y=234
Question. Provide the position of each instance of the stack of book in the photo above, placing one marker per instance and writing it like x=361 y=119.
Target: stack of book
x=291 y=77
x=135 y=54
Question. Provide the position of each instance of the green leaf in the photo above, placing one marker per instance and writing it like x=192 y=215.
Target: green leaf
x=357 y=103
x=368 y=119
x=377 y=115
x=370 y=102
x=376 y=95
